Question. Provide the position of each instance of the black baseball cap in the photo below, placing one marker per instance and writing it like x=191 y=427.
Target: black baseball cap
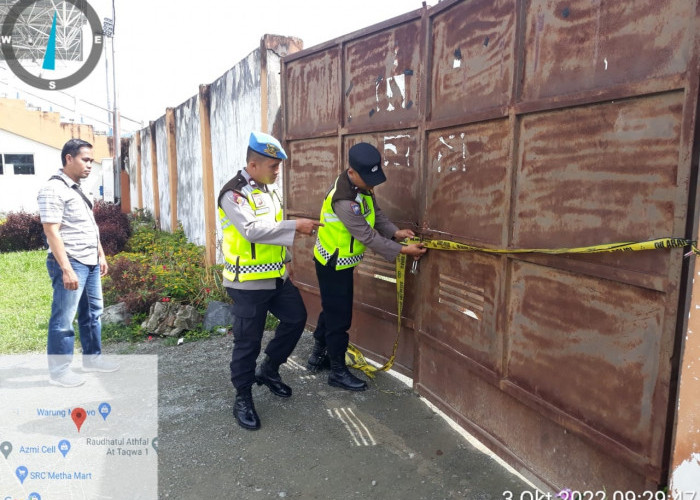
x=367 y=162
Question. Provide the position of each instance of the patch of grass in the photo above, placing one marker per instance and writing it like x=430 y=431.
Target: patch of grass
x=132 y=332
x=271 y=322
x=25 y=301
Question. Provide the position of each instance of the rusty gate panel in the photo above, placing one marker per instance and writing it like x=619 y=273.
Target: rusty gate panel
x=382 y=86
x=464 y=291
x=302 y=266
x=616 y=170
x=374 y=319
x=473 y=45
x=467 y=170
x=532 y=124
x=597 y=339
x=521 y=435
x=311 y=169
x=313 y=103
x=397 y=196
x=313 y=166
x=579 y=45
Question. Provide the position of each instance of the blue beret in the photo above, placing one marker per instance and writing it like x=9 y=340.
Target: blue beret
x=266 y=145
x=367 y=162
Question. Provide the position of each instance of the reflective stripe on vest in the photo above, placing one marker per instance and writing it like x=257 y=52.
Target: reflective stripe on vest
x=334 y=238
x=248 y=261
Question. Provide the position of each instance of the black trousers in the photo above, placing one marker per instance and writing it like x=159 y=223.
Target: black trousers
x=249 y=310
x=336 y=314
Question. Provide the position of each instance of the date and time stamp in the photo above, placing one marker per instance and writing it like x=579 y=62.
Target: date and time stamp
x=568 y=494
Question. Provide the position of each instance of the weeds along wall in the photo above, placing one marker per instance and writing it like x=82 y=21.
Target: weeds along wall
x=178 y=164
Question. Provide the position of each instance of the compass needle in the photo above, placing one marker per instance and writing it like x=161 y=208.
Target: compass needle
x=50 y=55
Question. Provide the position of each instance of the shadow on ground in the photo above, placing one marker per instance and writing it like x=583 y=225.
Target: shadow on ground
x=322 y=443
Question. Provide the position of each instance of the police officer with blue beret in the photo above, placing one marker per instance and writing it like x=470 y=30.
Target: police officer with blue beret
x=352 y=221
x=255 y=241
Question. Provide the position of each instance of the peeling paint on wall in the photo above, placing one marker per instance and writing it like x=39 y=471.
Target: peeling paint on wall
x=190 y=211
x=397 y=150
x=235 y=112
x=686 y=478
x=163 y=174
x=147 y=170
x=133 y=178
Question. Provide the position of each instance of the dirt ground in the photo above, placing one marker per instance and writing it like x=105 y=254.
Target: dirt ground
x=322 y=443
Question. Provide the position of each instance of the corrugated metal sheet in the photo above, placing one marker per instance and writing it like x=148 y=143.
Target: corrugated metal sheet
x=536 y=124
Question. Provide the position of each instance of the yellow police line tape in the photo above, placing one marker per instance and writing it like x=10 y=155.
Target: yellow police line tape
x=355 y=359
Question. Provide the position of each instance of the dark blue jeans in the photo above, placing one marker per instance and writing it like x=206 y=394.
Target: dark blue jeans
x=86 y=301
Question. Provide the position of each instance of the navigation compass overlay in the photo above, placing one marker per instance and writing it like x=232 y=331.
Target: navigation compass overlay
x=12 y=50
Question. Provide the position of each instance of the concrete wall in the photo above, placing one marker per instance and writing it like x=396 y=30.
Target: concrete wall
x=147 y=169
x=163 y=174
x=190 y=210
x=245 y=98
x=235 y=111
x=133 y=166
x=685 y=468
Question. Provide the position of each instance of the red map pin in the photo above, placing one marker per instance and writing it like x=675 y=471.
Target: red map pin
x=78 y=415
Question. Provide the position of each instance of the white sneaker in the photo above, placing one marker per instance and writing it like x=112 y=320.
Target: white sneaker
x=67 y=379
x=97 y=363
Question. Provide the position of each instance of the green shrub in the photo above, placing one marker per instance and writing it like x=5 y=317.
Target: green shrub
x=158 y=265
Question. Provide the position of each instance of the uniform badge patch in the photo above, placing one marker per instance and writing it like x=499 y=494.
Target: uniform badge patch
x=355 y=208
x=258 y=199
x=271 y=150
x=238 y=199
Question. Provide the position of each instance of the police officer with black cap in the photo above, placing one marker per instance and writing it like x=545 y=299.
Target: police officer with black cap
x=255 y=241
x=352 y=221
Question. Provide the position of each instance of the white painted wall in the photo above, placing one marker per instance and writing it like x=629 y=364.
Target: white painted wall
x=235 y=112
x=18 y=192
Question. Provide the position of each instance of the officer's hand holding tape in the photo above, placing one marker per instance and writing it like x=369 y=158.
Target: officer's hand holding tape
x=416 y=250
x=307 y=226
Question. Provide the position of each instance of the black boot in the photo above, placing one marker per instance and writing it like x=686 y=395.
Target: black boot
x=267 y=373
x=244 y=410
x=319 y=359
x=341 y=377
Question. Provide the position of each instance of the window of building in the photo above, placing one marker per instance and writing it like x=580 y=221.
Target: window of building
x=23 y=164
x=0 y=164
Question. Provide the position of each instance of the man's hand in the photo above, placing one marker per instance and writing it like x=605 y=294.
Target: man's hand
x=416 y=250
x=70 y=279
x=104 y=268
x=402 y=234
x=307 y=226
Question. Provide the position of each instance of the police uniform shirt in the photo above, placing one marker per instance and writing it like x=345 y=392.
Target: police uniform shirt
x=255 y=230
x=378 y=239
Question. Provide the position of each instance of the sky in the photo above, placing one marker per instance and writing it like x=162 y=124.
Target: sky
x=166 y=49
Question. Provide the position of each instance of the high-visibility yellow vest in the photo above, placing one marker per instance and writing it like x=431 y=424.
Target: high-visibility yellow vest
x=334 y=238
x=248 y=261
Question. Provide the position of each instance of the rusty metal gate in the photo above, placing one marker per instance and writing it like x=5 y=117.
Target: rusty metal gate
x=520 y=124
